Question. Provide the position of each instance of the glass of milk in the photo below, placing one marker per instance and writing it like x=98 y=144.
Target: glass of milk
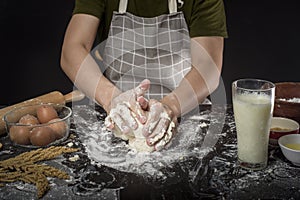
x=253 y=102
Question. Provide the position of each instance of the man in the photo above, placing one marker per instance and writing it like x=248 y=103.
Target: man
x=158 y=29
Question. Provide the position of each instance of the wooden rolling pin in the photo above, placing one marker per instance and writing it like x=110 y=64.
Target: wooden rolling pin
x=52 y=97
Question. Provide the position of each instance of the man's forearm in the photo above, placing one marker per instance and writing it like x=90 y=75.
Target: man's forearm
x=191 y=91
x=82 y=69
x=203 y=78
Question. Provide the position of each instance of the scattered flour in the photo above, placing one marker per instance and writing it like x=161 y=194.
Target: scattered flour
x=106 y=149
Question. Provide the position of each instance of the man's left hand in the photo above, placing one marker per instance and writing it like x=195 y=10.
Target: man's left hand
x=160 y=126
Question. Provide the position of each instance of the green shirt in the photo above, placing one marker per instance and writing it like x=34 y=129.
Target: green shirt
x=203 y=17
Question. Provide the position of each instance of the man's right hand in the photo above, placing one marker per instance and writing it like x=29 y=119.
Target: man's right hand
x=129 y=109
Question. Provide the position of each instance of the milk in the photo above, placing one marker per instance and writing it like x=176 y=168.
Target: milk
x=252 y=114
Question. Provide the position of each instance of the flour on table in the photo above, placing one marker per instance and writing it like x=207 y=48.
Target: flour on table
x=103 y=148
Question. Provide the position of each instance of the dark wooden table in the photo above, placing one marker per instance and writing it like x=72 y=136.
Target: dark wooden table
x=215 y=175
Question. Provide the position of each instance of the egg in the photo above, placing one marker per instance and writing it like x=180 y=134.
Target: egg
x=42 y=136
x=45 y=113
x=29 y=120
x=59 y=127
x=20 y=135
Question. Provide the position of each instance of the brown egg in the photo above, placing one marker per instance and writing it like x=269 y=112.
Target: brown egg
x=29 y=120
x=20 y=134
x=59 y=127
x=42 y=136
x=45 y=113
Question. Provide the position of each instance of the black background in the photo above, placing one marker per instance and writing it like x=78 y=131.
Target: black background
x=263 y=43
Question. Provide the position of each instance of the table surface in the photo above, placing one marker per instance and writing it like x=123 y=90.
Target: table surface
x=212 y=173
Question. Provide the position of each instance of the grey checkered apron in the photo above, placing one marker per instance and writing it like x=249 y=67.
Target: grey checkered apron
x=155 y=48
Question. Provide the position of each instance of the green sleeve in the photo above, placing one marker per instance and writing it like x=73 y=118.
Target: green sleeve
x=208 y=19
x=91 y=7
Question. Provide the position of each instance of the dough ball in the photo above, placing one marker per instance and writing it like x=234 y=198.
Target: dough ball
x=136 y=139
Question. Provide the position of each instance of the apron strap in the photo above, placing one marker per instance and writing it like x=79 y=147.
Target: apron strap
x=172 y=6
x=123 y=6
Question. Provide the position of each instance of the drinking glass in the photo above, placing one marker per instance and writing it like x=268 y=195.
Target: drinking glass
x=253 y=102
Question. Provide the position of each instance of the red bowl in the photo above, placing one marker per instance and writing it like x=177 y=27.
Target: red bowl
x=287 y=100
x=281 y=126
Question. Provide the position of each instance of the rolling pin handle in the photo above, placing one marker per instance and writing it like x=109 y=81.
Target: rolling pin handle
x=75 y=95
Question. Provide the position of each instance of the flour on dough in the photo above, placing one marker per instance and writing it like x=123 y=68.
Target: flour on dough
x=136 y=139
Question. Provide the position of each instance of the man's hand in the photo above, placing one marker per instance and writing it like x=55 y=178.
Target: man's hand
x=160 y=126
x=129 y=109
x=157 y=118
